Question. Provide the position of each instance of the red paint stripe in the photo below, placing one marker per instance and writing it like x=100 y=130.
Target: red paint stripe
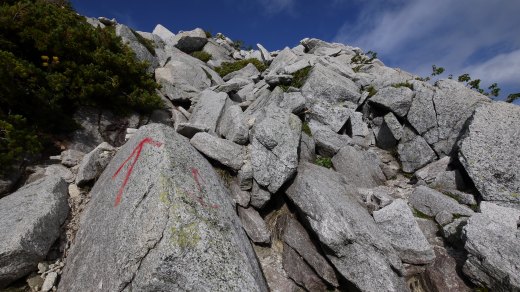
x=137 y=152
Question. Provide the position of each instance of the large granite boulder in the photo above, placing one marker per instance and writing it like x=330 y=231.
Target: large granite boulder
x=31 y=220
x=360 y=168
x=490 y=152
x=160 y=219
x=129 y=37
x=432 y=202
x=222 y=150
x=326 y=85
x=274 y=155
x=351 y=239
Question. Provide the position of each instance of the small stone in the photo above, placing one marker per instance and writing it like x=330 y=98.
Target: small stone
x=74 y=191
x=42 y=268
x=443 y=218
x=49 y=281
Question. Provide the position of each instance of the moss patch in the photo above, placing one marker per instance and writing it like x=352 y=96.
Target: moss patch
x=228 y=67
x=323 y=161
x=403 y=84
x=148 y=44
x=201 y=55
x=306 y=129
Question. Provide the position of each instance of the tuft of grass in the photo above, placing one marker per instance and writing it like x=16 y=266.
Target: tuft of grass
x=403 y=84
x=148 y=44
x=420 y=214
x=306 y=129
x=371 y=90
x=201 y=55
x=300 y=76
x=323 y=161
x=357 y=68
x=208 y=34
x=228 y=67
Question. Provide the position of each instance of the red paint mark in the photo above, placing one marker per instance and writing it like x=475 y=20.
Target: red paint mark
x=136 y=153
x=196 y=175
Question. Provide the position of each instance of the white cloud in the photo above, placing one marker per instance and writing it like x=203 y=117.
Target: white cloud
x=277 y=6
x=474 y=36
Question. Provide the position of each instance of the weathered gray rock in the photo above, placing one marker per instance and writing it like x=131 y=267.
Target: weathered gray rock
x=493 y=249
x=328 y=142
x=431 y=203
x=245 y=176
x=506 y=216
x=141 y=52
x=271 y=260
x=328 y=86
x=443 y=218
x=254 y=225
x=414 y=152
x=452 y=232
x=94 y=163
x=217 y=51
x=360 y=168
x=274 y=154
x=490 y=152
x=190 y=44
x=208 y=110
x=61 y=171
x=266 y=56
x=189 y=130
x=249 y=71
x=31 y=220
x=354 y=244
x=165 y=34
x=439 y=176
x=50 y=279
x=298 y=270
x=87 y=137
x=307 y=148
x=279 y=79
x=334 y=116
x=182 y=81
x=397 y=222
x=376 y=198
x=171 y=227
x=461 y=197
x=396 y=100
x=295 y=236
x=294 y=102
x=259 y=196
x=223 y=151
x=240 y=196
x=71 y=157
x=443 y=274
x=233 y=85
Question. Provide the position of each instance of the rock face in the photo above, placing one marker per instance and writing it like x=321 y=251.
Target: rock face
x=159 y=225
x=356 y=246
x=359 y=167
x=493 y=250
x=224 y=151
x=397 y=222
x=31 y=220
x=489 y=152
x=431 y=203
x=94 y=163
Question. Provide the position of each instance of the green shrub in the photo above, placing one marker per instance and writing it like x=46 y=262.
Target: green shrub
x=300 y=76
x=58 y=62
x=201 y=55
x=148 y=44
x=323 y=161
x=512 y=97
x=371 y=90
x=306 y=129
x=403 y=84
x=228 y=67
x=16 y=142
x=208 y=34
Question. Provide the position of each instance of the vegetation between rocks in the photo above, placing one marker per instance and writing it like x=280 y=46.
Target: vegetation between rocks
x=403 y=84
x=228 y=67
x=323 y=161
x=201 y=55
x=58 y=62
x=299 y=78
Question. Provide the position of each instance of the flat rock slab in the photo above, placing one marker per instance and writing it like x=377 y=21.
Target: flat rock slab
x=398 y=223
x=208 y=110
x=254 y=225
x=353 y=242
x=31 y=219
x=223 y=151
x=432 y=202
x=160 y=219
x=360 y=168
x=490 y=152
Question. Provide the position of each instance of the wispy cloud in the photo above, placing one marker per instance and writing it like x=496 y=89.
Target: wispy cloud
x=474 y=36
x=277 y=6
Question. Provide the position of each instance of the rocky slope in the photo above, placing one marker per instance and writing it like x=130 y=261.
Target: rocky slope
x=327 y=171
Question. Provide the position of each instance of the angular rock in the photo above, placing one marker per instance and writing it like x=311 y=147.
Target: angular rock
x=307 y=148
x=216 y=51
x=171 y=227
x=295 y=236
x=431 y=203
x=254 y=225
x=259 y=196
x=396 y=100
x=328 y=143
x=245 y=176
x=240 y=196
x=189 y=130
x=506 y=216
x=397 y=222
x=281 y=79
x=266 y=56
x=443 y=218
x=357 y=129
x=452 y=232
x=31 y=220
x=489 y=152
x=249 y=71
x=274 y=154
x=493 y=249
x=332 y=115
x=360 y=168
x=50 y=279
x=438 y=175
x=165 y=34
x=414 y=152
x=223 y=151
x=443 y=274
x=376 y=198
x=71 y=157
x=272 y=267
x=141 y=52
x=300 y=272
x=61 y=171
x=94 y=163
x=190 y=44
x=208 y=110
x=294 y=102
x=353 y=242
x=328 y=86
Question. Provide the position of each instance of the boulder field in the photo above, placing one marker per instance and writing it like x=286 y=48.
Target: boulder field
x=319 y=173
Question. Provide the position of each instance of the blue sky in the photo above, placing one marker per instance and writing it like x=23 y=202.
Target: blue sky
x=479 y=37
